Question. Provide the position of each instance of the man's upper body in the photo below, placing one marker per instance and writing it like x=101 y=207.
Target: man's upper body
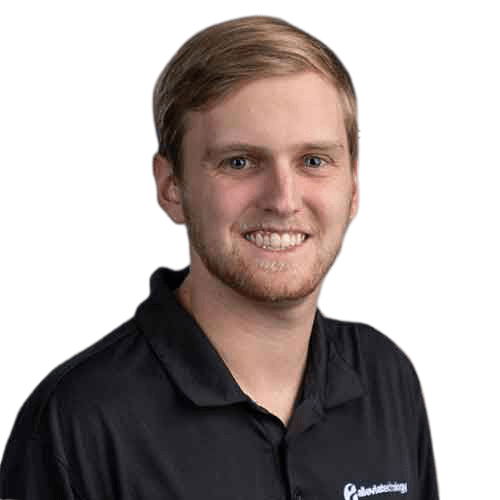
x=152 y=412
x=251 y=188
x=228 y=382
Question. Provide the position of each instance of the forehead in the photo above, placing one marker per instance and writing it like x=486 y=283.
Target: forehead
x=273 y=112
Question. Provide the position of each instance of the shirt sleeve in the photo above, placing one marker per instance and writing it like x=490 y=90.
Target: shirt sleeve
x=32 y=468
x=426 y=470
x=31 y=472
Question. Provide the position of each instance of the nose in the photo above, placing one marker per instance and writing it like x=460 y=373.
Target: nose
x=279 y=191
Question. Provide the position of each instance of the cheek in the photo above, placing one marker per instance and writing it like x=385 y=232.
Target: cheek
x=216 y=208
x=332 y=208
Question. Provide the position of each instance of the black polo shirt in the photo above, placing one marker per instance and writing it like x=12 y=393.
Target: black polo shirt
x=152 y=412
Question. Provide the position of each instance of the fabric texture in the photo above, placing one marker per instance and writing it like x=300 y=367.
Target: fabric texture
x=152 y=412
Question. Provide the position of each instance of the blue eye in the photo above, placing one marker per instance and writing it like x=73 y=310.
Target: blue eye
x=237 y=163
x=313 y=161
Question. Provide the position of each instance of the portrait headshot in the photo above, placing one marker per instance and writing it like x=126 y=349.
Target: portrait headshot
x=249 y=253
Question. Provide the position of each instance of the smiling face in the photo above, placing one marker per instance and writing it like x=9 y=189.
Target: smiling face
x=268 y=189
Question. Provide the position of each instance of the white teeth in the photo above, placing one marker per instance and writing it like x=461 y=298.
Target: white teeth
x=285 y=240
x=275 y=241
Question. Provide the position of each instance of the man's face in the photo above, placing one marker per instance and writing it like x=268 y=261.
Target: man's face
x=268 y=189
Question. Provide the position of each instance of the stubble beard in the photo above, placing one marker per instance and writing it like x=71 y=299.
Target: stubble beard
x=265 y=281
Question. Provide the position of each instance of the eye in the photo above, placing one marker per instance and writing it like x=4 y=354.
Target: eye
x=236 y=163
x=313 y=161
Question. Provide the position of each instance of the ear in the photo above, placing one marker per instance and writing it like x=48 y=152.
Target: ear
x=168 y=189
x=355 y=191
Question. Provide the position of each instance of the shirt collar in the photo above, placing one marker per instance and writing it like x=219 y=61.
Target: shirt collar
x=200 y=373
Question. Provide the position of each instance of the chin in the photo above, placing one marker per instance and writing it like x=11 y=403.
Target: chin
x=272 y=284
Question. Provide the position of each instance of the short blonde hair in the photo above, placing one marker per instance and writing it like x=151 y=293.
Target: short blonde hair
x=220 y=59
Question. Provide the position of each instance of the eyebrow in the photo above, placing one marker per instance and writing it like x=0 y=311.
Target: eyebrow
x=240 y=147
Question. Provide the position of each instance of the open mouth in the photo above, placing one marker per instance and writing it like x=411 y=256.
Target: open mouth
x=276 y=241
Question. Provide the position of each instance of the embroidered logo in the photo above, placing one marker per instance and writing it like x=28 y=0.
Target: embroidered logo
x=351 y=492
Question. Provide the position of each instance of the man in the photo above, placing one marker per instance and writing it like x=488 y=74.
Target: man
x=228 y=383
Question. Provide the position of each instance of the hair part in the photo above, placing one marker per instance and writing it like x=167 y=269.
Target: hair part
x=220 y=59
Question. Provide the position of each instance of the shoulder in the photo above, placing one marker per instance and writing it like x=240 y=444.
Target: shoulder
x=94 y=373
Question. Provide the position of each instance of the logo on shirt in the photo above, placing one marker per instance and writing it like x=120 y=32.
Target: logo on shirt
x=352 y=492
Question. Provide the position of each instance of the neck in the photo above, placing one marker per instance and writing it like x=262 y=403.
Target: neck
x=264 y=345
